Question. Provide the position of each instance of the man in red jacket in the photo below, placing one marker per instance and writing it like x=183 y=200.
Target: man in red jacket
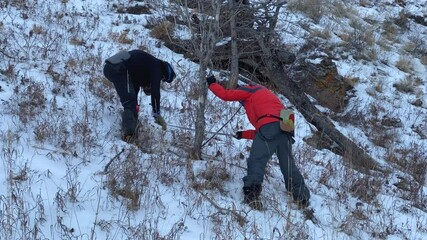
x=262 y=109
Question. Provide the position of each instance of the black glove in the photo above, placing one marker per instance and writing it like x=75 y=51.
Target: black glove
x=210 y=80
x=238 y=135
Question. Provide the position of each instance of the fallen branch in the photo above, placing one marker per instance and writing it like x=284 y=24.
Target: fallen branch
x=111 y=160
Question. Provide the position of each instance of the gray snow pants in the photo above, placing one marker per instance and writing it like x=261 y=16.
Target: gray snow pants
x=271 y=139
x=118 y=75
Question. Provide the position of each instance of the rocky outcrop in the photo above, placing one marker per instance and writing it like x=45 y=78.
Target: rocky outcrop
x=323 y=83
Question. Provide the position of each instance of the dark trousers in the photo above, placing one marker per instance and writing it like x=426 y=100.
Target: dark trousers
x=118 y=75
x=268 y=140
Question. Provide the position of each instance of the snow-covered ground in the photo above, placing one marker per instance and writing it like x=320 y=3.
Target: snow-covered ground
x=60 y=127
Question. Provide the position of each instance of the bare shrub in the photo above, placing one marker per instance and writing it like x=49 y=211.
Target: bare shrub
x=371 y=53
x=382 y=137
x=402 y=20
x=124 y=37
x=83 y=133
x=327 y=175
x=360 y=39
x=390 y=31
x=9 y=71
x=61 y=80
x=126 y=178
x=340 y=9
x=385 y=45
x=314 y=9
x=102 y=88
x=137 y=10
x=121 y=37
x=407 y=85
x=77 y=41
x=366 y=188
x=324 y=34
x=19 y=218
x=212 y=178
x=423 y=59
x=31 y=101
x=418 y=45
x=411 y=159
x=362 y=35
x=163 y=30
x=40 y=131
x=145 y=140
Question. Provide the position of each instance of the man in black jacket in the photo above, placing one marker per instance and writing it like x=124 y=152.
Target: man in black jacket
x=131 y=70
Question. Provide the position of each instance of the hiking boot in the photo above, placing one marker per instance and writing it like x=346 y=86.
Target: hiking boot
x=251 y=196
x=256 y=204
x=128 y=138
x=128 y=123
x=302 y=204
x=301 y=196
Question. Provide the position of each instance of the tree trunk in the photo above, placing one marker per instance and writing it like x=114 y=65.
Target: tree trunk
x=205 y=51
x=234 y=65
x=200 y=114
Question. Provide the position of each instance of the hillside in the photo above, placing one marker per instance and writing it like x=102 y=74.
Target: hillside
x=66 y=174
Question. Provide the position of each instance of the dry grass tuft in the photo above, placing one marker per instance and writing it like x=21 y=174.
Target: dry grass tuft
x=162 y=30
x=126 y=178
x=212 y=178
x=410 y=159
x=314 y=9
x=31 y=101
x=102 y=88
x=324 y=34
x=390 y=31
x=407 y=85
x=424 y=60
x=136 y=10
x=124 y=37
x=404 y=64
x=366 y=189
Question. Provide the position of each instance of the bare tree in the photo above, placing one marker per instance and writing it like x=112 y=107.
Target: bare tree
x=234 y=65
x=261 y=59
x=202 y=19
x=207 y=38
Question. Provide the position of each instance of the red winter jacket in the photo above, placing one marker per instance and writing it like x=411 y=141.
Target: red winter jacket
x=257 y=100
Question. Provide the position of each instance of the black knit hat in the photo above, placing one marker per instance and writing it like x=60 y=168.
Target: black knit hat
x=168 y=72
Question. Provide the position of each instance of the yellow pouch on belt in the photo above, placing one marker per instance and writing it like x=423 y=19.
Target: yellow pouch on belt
x=287 y=122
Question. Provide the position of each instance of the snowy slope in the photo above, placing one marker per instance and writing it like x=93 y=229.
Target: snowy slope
x=60 y=127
